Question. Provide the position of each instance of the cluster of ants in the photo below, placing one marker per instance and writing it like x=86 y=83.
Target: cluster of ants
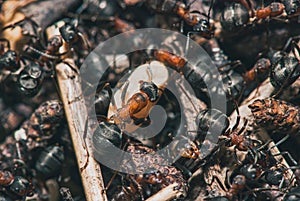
x=34 y=150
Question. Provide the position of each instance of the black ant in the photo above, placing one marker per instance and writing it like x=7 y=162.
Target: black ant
x=196 y=18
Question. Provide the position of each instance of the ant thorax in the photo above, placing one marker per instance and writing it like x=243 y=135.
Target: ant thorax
x=154 y=72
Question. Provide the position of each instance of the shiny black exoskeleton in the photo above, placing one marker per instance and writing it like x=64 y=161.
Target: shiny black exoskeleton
x=250 y=171
x=72 y=35
x=293 y=194
x=285 y=69
x=30 y=79
x=50 y=161
x=232 y=81
x=274 y=177
x=234 y=16
x=9 y=60
x=104 y=137
x=291 y=6
x=20 y=186
x=212 y=120
x=69 y=33
x=192 y=13
x=102 y=101
x=151 y=90
x=16 y=185
x=282 y=69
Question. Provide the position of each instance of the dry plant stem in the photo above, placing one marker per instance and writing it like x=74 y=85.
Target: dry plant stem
x=76 y=113
x=264 y=91
x=166 y=194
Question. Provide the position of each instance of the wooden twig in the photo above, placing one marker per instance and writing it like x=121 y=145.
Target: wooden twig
x=77 y=117
x=168 y=193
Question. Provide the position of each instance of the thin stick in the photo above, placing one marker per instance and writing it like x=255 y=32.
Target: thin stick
x=76 y=113
x=166 y=194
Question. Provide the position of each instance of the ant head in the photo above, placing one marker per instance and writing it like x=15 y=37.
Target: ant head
x=55 y=43
x=204 y=28
x=150 y=89
x=20 y=186
x=239 y=181
x=68 y=32
x=250 y=171
x=10 y=60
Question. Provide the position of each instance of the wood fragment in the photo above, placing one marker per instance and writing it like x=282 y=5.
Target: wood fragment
x=77 y=117
x=166 y=194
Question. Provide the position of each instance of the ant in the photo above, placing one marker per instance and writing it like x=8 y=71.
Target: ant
x=236 y=187
x=260 y=69
x=28 y=77
x=291 y=6
x=9 y=59
x=234 y=16
x=61 y=37
x=50 y=161
x=293 y=194
x=285 y=68
x=41 y=125
x=155 y=178
x=17 y=185
x=216 y=122
x=197 y=19
x=136 y=106
x=273 y=10
x=198 y=77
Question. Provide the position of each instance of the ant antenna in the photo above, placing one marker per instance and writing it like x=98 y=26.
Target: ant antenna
x=186 y=94
x=238 y=118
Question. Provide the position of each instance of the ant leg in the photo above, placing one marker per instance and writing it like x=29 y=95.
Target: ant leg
x=238 y=118
x=288 y=155
x=236 y=157
x=139 y=187
x=124 y=92
x=232 y=64
x=296 y=47
x=72 y=67
x=5 y=41
x=241 y=94
x=243 y=128
x=187 y=43
x=279 y=142
x=149 y=73
x=187 y=95
x=84 y=41
x=26 y=47
x=289 y=41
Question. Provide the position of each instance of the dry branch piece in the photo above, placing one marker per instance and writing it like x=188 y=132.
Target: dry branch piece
x=166 y=194
x=76 y=113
